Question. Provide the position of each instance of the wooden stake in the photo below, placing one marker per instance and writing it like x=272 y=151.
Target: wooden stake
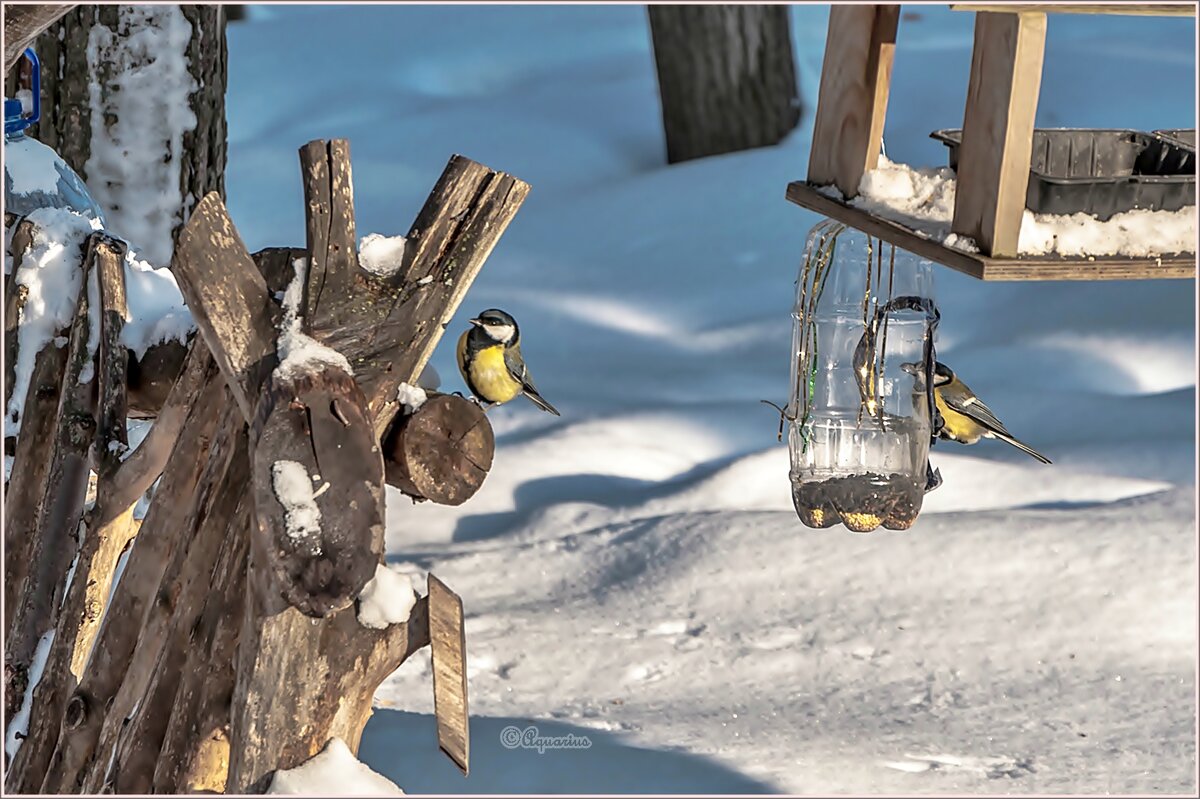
x=852 y=104
x=448 y=643
x=1002 y=98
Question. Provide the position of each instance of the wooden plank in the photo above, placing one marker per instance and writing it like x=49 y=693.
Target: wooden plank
x=228 y=299
x=852 y=102
x=1132 y=9
x=448 y=645
x=1037 y=267
x=993 y=161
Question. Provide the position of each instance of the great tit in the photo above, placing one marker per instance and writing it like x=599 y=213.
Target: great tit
x=965 y=418
x=489 y=357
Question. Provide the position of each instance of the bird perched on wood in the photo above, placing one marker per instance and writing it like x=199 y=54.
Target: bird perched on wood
x=965 y=418
x=489 y=357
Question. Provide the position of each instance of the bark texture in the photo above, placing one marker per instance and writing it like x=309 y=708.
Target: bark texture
x=66 y=123
x=726 y=77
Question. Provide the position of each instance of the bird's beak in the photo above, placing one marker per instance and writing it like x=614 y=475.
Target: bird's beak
x=911 y=368
x=475 y=322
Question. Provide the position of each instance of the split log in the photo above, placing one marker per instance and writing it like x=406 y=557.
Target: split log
x=139 y=471
x=442 y=451
x=32 y=451
x=63 y=489
x=221 y=520
x=101 y=703
x=316 y=426
x=199 y=716
x=106 y=531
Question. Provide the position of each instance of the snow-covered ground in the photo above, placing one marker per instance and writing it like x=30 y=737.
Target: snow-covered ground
x=634 y=572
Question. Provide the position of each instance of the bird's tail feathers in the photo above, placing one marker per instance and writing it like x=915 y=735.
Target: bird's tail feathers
x=1021 y=445
x=540 y=401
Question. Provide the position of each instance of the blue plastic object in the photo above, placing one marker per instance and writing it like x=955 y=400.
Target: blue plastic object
x=45 y=179
x=14 y=117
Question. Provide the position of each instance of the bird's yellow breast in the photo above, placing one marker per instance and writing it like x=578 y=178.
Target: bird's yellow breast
x=487 y=374
x=958 y=426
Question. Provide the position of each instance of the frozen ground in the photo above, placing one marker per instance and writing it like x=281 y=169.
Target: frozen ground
x=633 y=572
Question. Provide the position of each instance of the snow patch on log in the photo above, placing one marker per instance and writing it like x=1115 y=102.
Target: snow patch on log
x=20 y=721
x=411 y=397
x=382 y=256
x=294 y=489
x=335 y=771
x=300 y=354
x=387 y=599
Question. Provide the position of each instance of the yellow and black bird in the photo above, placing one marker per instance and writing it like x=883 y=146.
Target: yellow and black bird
x=489 y=357
x=965 y=418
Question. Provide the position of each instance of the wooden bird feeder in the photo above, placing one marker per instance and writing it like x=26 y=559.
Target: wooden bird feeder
x=994 y=160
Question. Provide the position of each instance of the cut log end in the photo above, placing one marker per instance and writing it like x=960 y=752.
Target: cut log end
x=441 y=452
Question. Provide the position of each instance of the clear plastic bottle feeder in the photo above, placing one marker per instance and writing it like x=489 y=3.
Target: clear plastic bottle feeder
x=861 y=407
x=35 y=176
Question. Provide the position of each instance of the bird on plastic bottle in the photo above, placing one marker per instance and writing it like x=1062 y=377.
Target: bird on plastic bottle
x=965 y=417
x=489 y=357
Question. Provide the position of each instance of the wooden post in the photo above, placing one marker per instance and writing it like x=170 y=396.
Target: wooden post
x=855 y=76
x=993 y=161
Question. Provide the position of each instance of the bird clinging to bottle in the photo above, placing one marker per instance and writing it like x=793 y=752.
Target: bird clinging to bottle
x=489 y=357
x=965 y=418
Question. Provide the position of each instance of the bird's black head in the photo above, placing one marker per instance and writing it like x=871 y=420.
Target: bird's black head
x=497 y=325
x=942 y=374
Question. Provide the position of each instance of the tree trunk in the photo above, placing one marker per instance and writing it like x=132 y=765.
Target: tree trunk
x=726 y=77
x=195 y=163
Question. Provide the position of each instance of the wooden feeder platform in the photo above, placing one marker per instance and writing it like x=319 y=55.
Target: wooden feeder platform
x=1030 y=267
x=994 y=159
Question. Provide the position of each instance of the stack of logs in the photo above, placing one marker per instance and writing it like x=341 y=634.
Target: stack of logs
x=225 y=651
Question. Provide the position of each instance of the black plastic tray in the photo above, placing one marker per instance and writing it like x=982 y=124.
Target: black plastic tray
x=1102 y=172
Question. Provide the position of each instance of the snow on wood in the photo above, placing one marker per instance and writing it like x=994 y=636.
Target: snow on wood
x=335 y=771
x=387 y=599
x=381 y=255
x=51 y=273
x=157 y=312
x=299 y=353
x=411 y=397
x=20 y=721
x=294 y=489
x=923 y=199
x=143 y=88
